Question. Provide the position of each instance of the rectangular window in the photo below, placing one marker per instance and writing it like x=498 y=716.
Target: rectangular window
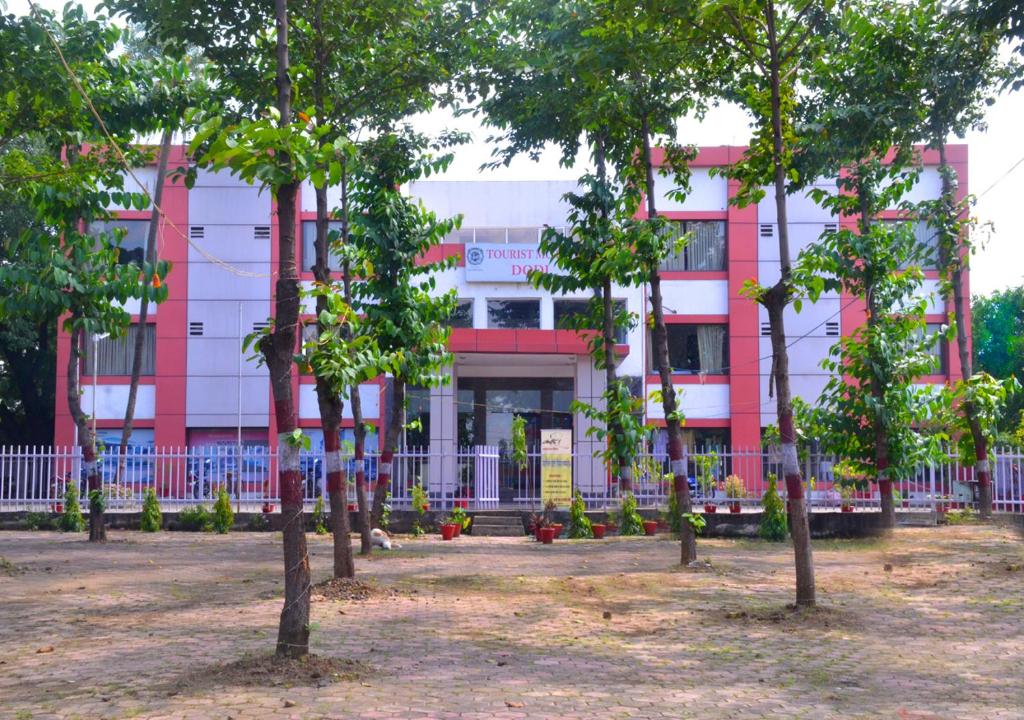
x=114 y=356
x=308 y=245
x=462 y=317
x=567 y=310
x=696 y=349
x=705 y=249
x=417 y=417
x=132 y=241
x=513 y=314
x=938 y=348
x=927 y=240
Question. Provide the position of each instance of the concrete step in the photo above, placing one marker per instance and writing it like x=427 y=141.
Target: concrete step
x=916 y=519
x=498 y=526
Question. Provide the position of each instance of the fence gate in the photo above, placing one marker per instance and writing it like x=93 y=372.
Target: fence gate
x=485 y=473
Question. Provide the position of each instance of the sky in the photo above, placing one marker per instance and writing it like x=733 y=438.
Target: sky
x=993 y=151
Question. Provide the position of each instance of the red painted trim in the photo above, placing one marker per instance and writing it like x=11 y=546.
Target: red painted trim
x=694 y=215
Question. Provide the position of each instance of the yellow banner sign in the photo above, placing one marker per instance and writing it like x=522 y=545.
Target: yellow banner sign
x=556 y=467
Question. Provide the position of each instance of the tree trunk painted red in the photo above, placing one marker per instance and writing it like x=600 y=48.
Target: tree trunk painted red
x=86 y=438
x=387 y=453
x=278 y=349
x=677 y=466
x=954 y=262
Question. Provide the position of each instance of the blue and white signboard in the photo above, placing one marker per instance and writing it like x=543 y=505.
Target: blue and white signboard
x=505 y=262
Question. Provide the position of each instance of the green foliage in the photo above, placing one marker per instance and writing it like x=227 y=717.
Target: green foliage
x=257 y=522
x=519 y=441
x=458 y=516
x=195 y=519
x=735 y=487
x=38 y=521
x=988 y=397
x=707 y=466
x=579 y=523
x=385 y=512
x=223 y=516
x=997 y=328
x=672 y=516
x=697 y=522
x=151 y=520
x=627 y=517
x=963 y=516
x=97 y=501
x=420 y=499
x=319 y=517
x=774 y=524
x=71 y=519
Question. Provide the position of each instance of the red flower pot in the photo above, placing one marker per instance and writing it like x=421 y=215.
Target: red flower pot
x=426 y=507
x=547 y=535
x=268 y=508
x=650 y=527
x=351 y=507
x=536 y=532
x=557 y=527
x=710 y=509
x=846 y=508
x=447 y=531
x=58 y=508
x=734 y=507
x=598 y=529
x=458 y=529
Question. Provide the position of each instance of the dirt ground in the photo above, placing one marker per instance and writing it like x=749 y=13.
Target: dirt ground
x=928 y=624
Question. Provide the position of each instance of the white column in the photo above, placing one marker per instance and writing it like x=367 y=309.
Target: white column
x=590 y=474
x=443 y=414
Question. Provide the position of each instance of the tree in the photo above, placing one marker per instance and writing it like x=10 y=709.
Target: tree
x=870 y=412
x=768 y=44
x=997 y=331
x=398 y=293
x=959 y=72
x=59 y=269
x=616 y=74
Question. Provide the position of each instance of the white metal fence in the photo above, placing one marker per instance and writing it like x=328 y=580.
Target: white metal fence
x=478 y=477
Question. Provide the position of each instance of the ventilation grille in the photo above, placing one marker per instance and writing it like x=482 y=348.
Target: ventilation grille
x=831 y=227
x=832 y=328
x=766 y=329
x=261 y=232
x=197 y=232
x=195 y=329
x=767 y=231
x=260 y=326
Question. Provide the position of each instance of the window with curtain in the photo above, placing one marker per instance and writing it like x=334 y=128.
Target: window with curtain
x=696 y=349
x=132 y=241
x=114 y=355
x=309 y=248
x=937 y=348
x=513 y=314
x=567 y=310
x=704 y=250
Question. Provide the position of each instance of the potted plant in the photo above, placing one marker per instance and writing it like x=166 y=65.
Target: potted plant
x=734 y=490
x=459 y=519
x=598 y=530
x=650 y=527
x=706 y=465
x=846 y=498
x=547 y=534
x=268 y=508
x=447 y=531
x=535 y=524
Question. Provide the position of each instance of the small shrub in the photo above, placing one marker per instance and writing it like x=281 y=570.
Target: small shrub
x=735 y=487
x=421 y=504
x=195 y=519
x=961 y=517
x=774 y=525
x=385 y=512
x=671 y=516
x=152 y=520
x=579 y=523
x=319 y=518
x=38 y=521
x=257 y=522
x=223 y=516
x=71 y=519
x=627 y=517
x=459 y=517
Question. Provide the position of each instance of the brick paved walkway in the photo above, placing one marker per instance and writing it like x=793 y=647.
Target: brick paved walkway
x=503 y=628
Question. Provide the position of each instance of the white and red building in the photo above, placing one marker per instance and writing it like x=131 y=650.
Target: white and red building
x=510 y=355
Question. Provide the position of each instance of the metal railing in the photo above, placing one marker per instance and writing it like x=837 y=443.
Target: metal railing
x=477 y=477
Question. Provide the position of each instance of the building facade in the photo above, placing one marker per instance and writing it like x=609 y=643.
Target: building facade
x=511 y=353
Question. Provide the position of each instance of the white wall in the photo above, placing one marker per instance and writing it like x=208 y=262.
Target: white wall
x=111 y=401
x=706 y=194
x=369 y=395
x=497 y=203
x=705 y=402
x=695 y=297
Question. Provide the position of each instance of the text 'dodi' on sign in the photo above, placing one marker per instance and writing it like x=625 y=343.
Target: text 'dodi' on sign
x=505 y=262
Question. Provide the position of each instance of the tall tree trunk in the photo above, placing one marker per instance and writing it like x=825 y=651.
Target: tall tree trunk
x=140 y=333
x=354 y=401
x=775 y=301
x=677 y=466
x=278 y=349
x=877 y=390
x=86 y=438
x=387 y=454
x=329 y=402
x=952 y=257
x=620 y=465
